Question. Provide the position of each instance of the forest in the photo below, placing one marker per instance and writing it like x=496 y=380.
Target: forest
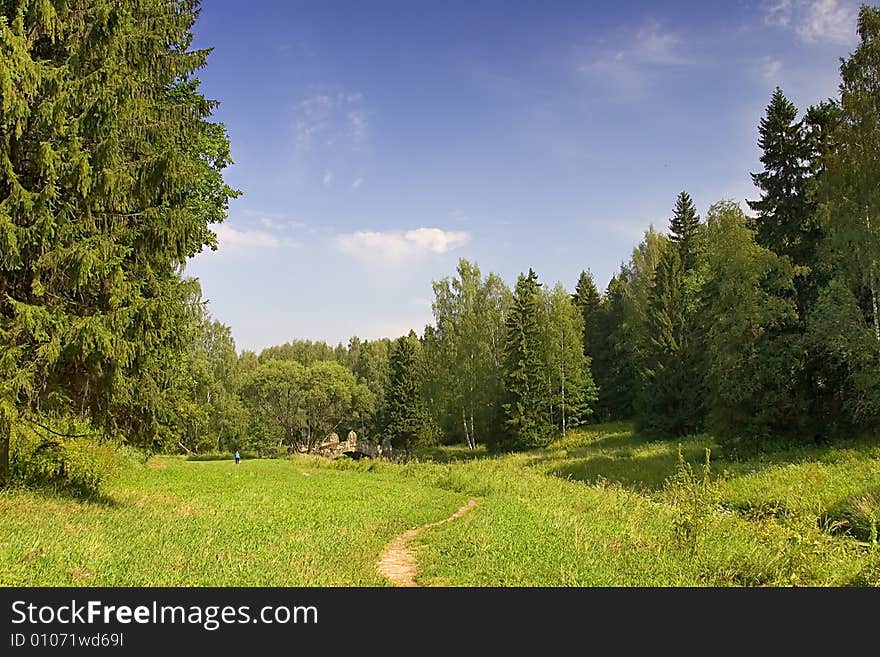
x=756 y=324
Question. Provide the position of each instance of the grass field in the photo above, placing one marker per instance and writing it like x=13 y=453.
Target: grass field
x=601 y=507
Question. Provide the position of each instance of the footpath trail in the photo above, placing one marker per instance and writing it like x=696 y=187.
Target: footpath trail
x=398 y=560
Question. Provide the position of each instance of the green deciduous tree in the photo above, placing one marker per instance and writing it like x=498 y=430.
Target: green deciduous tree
x=851 y=181
x=467 y=353
x=752 y=361
x=572 y=393
x=110 y=176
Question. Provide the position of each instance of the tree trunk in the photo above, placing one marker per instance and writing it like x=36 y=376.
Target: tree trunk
x=473 y=432
x=562 y=368
x=467 y=435
x=5 y=434
x=873 y=283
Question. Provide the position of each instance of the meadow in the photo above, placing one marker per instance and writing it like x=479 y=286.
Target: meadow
x=601 y=507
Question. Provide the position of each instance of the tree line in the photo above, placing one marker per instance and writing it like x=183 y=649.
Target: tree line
x=754 y=326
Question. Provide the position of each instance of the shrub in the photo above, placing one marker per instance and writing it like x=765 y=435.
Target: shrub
x=74 y=464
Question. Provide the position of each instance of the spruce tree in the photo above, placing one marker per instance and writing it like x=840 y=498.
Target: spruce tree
x=666 y=403
x=403 y=403
x=683 y=229
x=787 y=223
x=588 y=301
x=527 y=390
x=110 y=175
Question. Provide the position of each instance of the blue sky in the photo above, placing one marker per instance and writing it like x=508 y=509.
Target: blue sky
x=377 y=143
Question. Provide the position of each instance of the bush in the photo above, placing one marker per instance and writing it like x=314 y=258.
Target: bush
x=77 y=465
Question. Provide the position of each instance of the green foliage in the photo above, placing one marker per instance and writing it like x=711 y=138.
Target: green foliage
x=405 y=412
x=619 y=330
x=669 y=398
x=588 y=301
x=683 y=230
x=849 y=189
x=572 y=392
x=693 y=497
x=464 y=353
x=753 y=364
x=527 y=386
x=110 y=176
x=294 y=406
x=844 y=356
x=79 y=464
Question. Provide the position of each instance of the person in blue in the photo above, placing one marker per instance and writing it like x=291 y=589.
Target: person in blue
x=237 y=457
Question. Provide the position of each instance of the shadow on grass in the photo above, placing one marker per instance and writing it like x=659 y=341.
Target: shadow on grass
x=50 y=492
x=635 y=461
x=451 y=453
x=634 y=472
x=231 y=457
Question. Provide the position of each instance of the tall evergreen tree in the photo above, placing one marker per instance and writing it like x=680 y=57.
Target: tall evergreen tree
x=527 y=389
x=667 y=403
x=683 y=229
x=110 y=174
x=787 y=223
x=403 y=403
x=588 y=301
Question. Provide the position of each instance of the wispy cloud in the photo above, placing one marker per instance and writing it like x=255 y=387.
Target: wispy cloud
x=770 y=69
x=328 y=179
x=814 y=21
x=328 y=119
x=395 y=246
x=777 y=13
x=641 y=55
x=357 y=182
x=249 y=238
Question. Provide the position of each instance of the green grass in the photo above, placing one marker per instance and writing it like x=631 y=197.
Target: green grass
x=177 y=522
x=597 y=508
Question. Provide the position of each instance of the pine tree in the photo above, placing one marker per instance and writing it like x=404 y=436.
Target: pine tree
x=666 y=403
x=403 y=403
x=787 y=223
x=683 y=229
x=527 y=390
x=588 y=301
x=110 y=175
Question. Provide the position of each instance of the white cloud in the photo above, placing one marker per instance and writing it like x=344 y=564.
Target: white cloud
x=230 y=237
x=825 y=20
x=395 y=246
x=328 y=179
x=357 y=183
x=814 y=20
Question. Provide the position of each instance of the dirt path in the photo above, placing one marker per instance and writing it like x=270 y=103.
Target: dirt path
x=398 y=560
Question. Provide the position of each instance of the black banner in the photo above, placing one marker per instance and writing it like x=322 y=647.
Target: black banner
x=172 y=620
